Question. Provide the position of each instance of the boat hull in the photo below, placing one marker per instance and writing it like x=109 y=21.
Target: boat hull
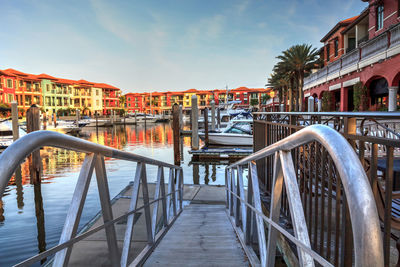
x=229 y=139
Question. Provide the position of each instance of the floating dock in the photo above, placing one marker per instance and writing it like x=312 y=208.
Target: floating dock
x=221 y=153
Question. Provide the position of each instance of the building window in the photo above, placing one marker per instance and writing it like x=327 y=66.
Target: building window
x=10 y=98
x=47 y=87
x=21 y=83
x=97 y=92
x=336 y=43
x=129 y=99
x=379 y=18
x=327 y=52
x=9 y=83
x=97 y=102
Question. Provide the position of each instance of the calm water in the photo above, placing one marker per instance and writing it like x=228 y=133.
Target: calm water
x=23 y=234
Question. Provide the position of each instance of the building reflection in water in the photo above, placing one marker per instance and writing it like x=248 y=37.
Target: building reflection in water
x=61 y=167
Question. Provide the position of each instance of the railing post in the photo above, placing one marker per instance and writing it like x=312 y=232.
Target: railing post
x=131 y=218
x=75 y=210
x=145 y=192
x=106 y=209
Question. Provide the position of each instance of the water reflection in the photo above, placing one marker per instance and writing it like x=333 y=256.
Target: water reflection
x=48 y=202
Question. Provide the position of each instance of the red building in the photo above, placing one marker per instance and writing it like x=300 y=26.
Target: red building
x=28 y=89
x=368 y=52
x=134 y=102
x=111 y=96
x=7 y=86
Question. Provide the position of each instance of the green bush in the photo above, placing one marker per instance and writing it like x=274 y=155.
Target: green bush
x=360 y=97
x=326 y=101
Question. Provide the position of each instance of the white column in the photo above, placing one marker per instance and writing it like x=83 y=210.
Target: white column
x=311 y=104
x=319 y=104
x=392 y=98
x=212 y=115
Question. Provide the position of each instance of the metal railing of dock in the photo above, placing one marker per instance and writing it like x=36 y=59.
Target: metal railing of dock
x=374 y=138
x=292 y=196
x=171 y=200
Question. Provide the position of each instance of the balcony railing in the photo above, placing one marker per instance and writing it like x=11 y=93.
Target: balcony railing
x=368 y=53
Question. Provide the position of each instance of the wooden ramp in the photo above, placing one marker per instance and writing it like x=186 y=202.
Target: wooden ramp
x=201 y=236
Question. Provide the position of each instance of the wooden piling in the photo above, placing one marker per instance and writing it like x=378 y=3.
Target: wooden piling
x=44 y=118
x=195 y=125
x=206 y=127
x=33 y=124
x=218 y=118
x=135 y=118
x=77 y=118
x=55 y=120
x=176 y=134
x=212 y=115
x=112 y=117
x=14 y=116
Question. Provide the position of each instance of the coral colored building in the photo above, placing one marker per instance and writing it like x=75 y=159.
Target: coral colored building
x=134 y=102
x=7 y=87
x=371 y=55
x=28 y=89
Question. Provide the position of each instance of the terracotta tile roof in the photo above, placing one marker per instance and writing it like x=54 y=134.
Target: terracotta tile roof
x=45 y=76
x=190 y=91
x=6 y=73
x=340 y=24
x=105 y=86
x=65 y=81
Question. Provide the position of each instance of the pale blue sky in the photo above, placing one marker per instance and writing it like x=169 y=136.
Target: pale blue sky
x=162 y=45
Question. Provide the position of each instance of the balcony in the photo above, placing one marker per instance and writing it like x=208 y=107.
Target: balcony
x=368 y=53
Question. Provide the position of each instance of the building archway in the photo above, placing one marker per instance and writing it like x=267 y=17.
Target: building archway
x=378 y=92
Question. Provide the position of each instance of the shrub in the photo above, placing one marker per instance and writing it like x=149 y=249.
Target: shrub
x=360 y=97
x=326 y=101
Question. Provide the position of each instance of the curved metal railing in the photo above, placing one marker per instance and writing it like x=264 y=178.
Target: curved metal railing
x=249 y=217
x=171 y=201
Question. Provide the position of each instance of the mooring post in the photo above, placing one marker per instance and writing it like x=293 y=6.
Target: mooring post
x=195 y=125
x=176 y=134
x=33 y=124
x=14 y=116
x=206 y=126
x=77 y=118
x=135 y=118
x=44 y=120
x=180 y=116
x=112 y=117
x=55 y=120
x=212 y=115
x=219 y=118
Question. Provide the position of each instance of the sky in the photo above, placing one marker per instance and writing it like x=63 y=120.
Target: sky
x=164 y=45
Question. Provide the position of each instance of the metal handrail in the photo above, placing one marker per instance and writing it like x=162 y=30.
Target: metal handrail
x=360 y=199
x=372 y=114
x=14 y=155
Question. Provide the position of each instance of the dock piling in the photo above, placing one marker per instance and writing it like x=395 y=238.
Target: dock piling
x=14 y=116
x=212 y=115
x=206 y=126
x=77 y=118
x=195 y=125
x=176 y=134
x=33 y=124
x=218 y=118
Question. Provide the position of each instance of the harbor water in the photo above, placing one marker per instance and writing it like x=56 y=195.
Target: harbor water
x=32 y=217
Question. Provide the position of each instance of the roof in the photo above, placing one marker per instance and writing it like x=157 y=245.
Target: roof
x=65 y=81
x=340 y=24
x=22 y=75
x=363 y=14
x=45 y=76
x=104 y=85
x=190 y=91
x=6 y=73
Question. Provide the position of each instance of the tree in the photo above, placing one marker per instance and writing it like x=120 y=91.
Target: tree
x=122 y=101
x=360 y=97
x=254 y=102
x=295 y=63
x=326 y=101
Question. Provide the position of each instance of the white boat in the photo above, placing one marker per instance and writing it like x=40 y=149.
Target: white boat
x=67 y=126
x=6 y=134
x=239 y=133
x=227 y=112
x=144 y=118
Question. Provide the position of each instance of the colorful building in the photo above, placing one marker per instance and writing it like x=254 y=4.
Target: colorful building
x=54 y=94
x=365 y=49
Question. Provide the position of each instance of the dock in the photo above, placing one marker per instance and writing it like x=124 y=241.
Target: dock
x=220 y=153
x=203 y=226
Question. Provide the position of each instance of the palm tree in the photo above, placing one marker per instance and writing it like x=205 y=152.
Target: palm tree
x=294 y=64
x=302 y=58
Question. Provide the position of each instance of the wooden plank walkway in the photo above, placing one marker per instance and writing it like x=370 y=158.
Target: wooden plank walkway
x=201 y=236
